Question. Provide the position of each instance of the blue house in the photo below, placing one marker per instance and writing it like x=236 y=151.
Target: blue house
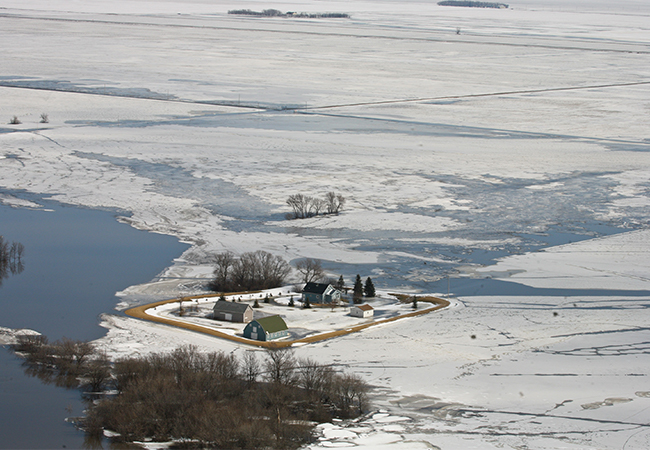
x=320 y=293
x=266 y=329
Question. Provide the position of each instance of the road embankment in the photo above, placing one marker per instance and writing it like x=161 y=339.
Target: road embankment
x=140 y=312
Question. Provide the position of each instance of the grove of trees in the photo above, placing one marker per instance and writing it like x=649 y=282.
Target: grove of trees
x=203 y=400
x=249 y=271
x=304 y=206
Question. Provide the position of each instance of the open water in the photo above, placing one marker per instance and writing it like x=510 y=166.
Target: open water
x=75 y=261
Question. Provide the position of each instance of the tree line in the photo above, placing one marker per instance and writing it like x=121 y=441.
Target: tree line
x=304 y=206
x=202 y=400
x=277 y=13
x=473 y=4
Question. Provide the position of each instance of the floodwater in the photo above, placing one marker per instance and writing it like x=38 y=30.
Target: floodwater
x=75 y=261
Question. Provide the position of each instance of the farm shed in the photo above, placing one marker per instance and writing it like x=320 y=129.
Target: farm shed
x=232 y=312
x=362 y=311
x=320 y=293
x=266 y=329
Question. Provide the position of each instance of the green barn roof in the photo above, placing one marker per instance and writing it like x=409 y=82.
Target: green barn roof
x=272 y=324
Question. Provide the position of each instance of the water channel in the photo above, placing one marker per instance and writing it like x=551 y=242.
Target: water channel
x=75 y=261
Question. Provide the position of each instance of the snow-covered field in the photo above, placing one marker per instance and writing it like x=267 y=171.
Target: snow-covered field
x=464 y=139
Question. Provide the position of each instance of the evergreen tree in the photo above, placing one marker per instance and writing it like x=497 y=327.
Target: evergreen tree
x=369 y=288
x=256 y=304
x=357 y=292
x=340 y=284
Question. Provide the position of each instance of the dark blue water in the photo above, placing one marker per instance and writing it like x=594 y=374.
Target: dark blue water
x=75 y=261
x=32 y=414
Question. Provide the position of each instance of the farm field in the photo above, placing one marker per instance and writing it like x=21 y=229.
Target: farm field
x=498 y=155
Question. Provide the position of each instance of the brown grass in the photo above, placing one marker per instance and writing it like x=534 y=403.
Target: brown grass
x=139 y=313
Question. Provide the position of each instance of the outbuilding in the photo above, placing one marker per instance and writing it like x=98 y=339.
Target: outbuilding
x=362 y=311
x=232 y=312
x=320 y=293
x=266 y=329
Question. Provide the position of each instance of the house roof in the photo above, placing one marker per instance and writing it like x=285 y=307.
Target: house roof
x=230 y=307
x=364 y=307
x=271 y=324
x=316 y=288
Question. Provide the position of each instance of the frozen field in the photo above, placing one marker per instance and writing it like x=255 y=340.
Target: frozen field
x=496 y=147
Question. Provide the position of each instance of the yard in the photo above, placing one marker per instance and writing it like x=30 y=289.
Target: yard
x=302 y=322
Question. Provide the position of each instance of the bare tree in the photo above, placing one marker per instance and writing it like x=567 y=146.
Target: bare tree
x=10 y=258
x=314 y=377
x=334 y=202
x=223 y=263
x=251 y=368
x=310 y=269
x=222 y=365
x=97 y=372
x=300 y=205
x=316 y=206
x=73 y=354
x=15 y=257
x=350 y=393
x=280 y=366
x=273 y=269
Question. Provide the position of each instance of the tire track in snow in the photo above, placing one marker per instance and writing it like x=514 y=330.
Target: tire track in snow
x=553 y=416
x=488 y=94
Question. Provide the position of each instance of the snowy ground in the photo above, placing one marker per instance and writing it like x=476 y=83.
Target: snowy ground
x=460 y=154
x=300 y=321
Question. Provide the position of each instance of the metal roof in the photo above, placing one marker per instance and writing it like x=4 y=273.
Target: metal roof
x=272 y=324
x=230 y=307
x=364 y=307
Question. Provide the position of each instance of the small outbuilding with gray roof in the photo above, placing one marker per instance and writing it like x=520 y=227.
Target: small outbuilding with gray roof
x=232 y=312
